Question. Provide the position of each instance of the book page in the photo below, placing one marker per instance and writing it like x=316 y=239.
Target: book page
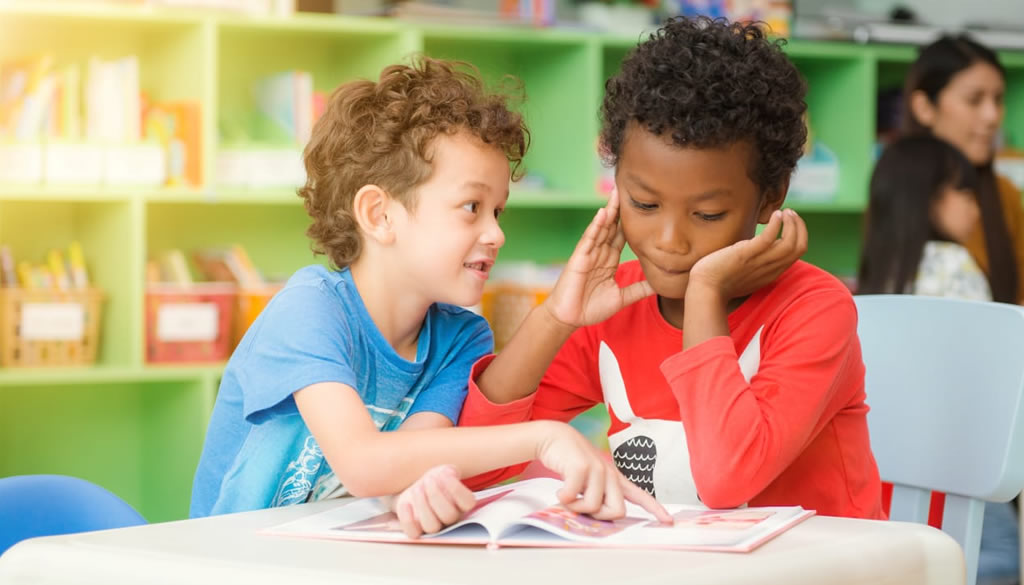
x=370 y=519
x=694 y=528
x=527 y=514
x=500 y=507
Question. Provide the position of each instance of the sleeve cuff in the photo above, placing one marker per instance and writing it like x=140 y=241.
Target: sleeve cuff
x=688 y=360
x=480 y=411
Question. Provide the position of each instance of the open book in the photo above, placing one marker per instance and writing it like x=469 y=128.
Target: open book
x=527 y=513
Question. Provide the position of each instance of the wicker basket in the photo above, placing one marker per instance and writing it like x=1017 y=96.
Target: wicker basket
x=505 y=305
x=49 y=327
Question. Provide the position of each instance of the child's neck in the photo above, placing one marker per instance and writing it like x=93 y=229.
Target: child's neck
x=396 y=312
x=673 y=310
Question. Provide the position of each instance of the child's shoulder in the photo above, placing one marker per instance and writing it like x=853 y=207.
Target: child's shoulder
x=323 y=282
x=316 y=276
x=312 y=290
x=805 y=277
x=807 y=286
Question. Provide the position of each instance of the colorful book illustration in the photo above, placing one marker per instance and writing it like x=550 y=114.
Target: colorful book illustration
x=527 y=514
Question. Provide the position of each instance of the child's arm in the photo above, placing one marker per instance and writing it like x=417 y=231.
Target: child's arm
x=586 y=293
x=736 y=271
x=742 y=435
x=372 y=463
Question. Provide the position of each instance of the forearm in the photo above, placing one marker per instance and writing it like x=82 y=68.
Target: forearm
x=706 y=316
x=734 y=447
x=385 y=463
x=517 y=370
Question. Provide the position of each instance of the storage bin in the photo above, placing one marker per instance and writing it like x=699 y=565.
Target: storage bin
x=193 y=323
x=49 y=327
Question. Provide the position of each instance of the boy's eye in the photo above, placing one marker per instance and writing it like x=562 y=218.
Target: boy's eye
x=471 y=206
x=498 y=211
x=642 y=206
x=710 y=216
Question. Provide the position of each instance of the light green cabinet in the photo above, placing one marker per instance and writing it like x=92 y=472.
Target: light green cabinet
x=138 y=429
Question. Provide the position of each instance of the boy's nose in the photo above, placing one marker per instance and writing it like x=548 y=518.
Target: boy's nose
x=672 y=237
x=493 y=236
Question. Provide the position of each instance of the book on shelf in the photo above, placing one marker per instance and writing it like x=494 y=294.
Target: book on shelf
x=527 y=514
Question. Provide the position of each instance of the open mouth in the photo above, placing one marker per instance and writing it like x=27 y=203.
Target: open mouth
x=479 y=266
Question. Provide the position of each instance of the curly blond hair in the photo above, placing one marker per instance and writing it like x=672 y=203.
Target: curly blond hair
x=380 y=133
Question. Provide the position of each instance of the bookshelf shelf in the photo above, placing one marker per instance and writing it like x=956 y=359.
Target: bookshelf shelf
x=138 y=429
x=86 y=375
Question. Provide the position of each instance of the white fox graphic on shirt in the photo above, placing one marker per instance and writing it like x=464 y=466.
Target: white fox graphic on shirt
x=652 y=453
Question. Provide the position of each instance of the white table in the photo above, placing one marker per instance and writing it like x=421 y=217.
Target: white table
x=227 y=549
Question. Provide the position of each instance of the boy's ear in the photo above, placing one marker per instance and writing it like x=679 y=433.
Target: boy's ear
x=922 y=108
x=772 y=200
x=371 y=208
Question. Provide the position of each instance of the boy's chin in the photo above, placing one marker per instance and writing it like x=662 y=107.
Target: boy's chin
x=668 y=287
x=464 y=300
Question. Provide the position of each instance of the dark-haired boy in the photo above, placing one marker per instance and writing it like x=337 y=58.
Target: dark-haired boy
x=740 y=379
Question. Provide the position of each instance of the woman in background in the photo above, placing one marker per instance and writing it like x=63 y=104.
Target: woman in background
x=954 y=91
x=924 y=207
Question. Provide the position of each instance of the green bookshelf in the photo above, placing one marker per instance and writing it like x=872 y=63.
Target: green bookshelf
x=138 y=429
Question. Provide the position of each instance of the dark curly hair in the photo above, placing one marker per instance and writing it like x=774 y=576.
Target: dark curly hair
x=710 y=83
x=380 y=133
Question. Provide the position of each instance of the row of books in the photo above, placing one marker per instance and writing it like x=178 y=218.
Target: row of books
x=286 y=107
x=227 y=265
x=60 y=271
x=39 y=99
x=59 y=128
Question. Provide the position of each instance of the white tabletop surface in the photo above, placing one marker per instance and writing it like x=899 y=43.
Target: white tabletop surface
x=228 y=549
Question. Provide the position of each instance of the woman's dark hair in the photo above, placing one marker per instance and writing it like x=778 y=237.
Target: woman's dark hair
x=935 y=67
x=910 y=176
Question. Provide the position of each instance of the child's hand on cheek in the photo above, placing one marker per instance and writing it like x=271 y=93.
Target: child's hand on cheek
x=744 y=267
x=436 y=500
x=586 y=292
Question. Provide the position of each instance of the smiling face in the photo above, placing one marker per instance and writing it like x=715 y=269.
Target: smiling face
x=681 y=204
x=448 y=244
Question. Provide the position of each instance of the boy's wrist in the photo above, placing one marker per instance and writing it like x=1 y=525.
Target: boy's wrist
x=553 y=323
x=544 y=433
x=704 y=294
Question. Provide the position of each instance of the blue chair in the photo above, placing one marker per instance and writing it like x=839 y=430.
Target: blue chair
x=44 y=505
x=945 y=382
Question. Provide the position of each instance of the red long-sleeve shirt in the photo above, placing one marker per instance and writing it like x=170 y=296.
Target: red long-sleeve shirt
x=772 y=415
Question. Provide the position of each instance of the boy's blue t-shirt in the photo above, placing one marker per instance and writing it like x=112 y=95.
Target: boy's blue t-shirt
x=259 y=452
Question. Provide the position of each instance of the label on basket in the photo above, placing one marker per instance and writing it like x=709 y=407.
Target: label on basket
x=52 y=321
x=187 y=322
